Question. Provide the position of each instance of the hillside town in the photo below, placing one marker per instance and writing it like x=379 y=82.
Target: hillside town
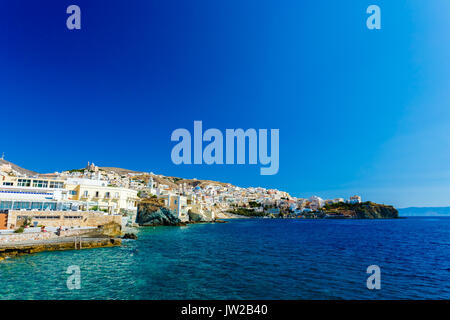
x=94 y=195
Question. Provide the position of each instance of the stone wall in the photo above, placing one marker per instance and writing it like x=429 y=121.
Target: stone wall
x=37 y=236
x=62 y=218
x=67 y=243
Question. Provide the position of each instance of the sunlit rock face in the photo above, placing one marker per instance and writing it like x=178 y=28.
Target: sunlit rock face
x=151 y=212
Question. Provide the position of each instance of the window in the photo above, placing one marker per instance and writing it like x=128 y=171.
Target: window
x=36 y=205
x=7 y=183
x=47 y=217
x=4 y=205
x=86 y=194
x=73 y=193
x=97 y=194
x=40 y=184
x=116 y=195
x=24 y=182
x=107 y=195
x=21 y=205
x=56 y=185
x=49 y=206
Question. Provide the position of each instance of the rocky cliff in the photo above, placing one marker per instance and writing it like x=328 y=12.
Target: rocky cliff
x=151 y=212
x=365 y=210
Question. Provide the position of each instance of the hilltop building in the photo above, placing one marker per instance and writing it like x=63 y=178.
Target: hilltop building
x=355 y=199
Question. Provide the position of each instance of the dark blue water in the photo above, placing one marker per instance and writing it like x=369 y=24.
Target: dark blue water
x=249 y=259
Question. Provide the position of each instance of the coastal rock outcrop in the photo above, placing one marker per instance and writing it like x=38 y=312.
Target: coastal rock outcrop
x=197 y=216
x=131 y=236
x=376 y=211
x=365 y=210
x=151 y=212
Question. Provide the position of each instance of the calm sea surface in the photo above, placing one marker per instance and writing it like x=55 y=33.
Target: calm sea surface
x=249 y=259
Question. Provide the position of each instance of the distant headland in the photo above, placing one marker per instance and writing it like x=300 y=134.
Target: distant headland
x=338 y=210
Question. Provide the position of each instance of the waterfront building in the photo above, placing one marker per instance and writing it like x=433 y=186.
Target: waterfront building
x=43 y=193
x=110 y=199
x=19 y=193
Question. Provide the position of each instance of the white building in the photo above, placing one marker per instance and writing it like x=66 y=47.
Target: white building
x=355 y=199
x=33 y=194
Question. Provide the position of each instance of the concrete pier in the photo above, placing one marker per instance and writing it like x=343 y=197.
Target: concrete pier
x=66 y=243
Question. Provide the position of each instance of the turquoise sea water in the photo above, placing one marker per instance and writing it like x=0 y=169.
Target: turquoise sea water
x=249 y=259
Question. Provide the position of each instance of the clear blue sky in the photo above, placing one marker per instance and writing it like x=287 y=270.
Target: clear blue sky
x=359 y=111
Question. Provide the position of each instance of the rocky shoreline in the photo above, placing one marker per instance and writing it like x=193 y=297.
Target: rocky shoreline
x=152 y=213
